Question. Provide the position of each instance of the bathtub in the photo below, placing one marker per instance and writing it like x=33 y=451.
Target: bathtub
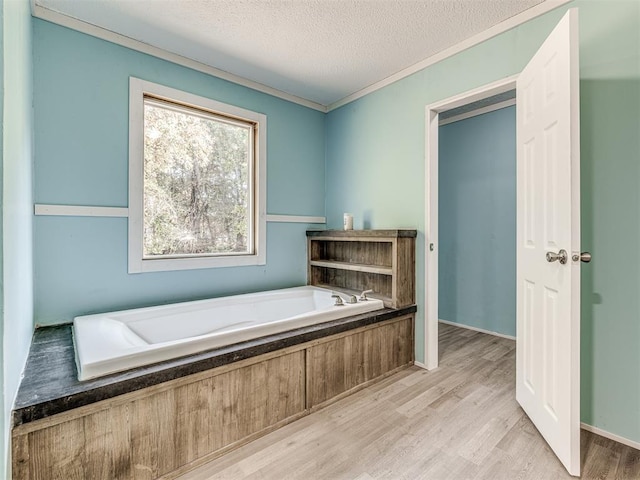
x=116 y=341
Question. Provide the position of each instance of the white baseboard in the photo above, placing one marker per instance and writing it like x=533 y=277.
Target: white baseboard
x=610 y=436
x=475 y=329
x=420 y=364
x=584 y=426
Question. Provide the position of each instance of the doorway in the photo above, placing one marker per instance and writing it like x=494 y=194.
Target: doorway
x=477 y=216
x=451 y=108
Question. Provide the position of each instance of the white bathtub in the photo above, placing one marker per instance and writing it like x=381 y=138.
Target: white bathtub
x=116 y=341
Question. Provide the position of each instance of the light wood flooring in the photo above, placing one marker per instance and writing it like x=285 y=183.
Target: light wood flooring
x=460 y=421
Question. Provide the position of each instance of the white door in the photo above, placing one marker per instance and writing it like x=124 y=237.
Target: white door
x=548 y=212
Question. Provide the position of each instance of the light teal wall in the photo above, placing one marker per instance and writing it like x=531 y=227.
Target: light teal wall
x=81 y=158
x=375 y=169
x=477 y=221
x=17 y=202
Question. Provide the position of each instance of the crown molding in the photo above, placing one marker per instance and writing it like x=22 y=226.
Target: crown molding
x=501 y=27
x=128 y=42
x=58 y=18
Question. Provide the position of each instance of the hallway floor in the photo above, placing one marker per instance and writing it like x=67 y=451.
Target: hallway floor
x=460 y=421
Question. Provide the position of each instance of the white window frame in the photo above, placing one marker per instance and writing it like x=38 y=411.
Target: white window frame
x=137 y=263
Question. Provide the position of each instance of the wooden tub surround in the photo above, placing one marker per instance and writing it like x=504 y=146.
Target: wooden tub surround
x=162 y=420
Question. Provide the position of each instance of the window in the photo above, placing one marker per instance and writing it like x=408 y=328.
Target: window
x=196 y=181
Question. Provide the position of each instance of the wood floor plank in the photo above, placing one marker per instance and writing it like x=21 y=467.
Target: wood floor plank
x=460 y=421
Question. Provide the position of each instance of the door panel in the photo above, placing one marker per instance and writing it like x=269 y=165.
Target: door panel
x=548 y=209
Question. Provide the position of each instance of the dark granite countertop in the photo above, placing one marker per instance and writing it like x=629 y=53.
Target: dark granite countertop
x=50 y=384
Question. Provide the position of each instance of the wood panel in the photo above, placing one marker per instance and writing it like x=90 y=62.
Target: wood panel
x=340 y=365
x=405 y=272
x=156 y=434
x=107 y=430
x=20 y=457
x=56 y=452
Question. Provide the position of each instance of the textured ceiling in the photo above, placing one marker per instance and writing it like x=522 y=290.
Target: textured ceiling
x=321 y=50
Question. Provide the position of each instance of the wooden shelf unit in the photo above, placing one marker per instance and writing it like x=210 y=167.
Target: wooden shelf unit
x=355 y=260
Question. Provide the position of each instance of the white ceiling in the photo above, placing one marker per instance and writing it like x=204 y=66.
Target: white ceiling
x=320 y=50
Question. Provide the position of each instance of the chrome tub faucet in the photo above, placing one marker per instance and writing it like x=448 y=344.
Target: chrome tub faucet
x=339 y=301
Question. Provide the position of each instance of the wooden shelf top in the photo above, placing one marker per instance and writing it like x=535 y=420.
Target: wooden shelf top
x=401 y=232
x=354 y=267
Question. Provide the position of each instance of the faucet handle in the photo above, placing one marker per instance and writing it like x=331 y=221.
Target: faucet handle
x=363 y=295
x=339 y=301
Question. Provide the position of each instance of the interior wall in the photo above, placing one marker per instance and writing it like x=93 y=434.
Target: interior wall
x=17 y=202
x=376 y=170
x=81 y=158
x=477 y=221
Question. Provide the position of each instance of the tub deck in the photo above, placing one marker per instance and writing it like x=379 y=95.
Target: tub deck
x=50 y=384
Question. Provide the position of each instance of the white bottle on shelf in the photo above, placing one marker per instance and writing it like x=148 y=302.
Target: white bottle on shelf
x=348 y=221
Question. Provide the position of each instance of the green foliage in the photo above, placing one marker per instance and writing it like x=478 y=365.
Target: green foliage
x=196 y=184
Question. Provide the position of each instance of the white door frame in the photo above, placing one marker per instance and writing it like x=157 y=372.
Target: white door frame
x=432 y=121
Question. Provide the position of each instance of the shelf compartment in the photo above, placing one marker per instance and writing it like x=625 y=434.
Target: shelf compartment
x=373 y=254
x=357 y=281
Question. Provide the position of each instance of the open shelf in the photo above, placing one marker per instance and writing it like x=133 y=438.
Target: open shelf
x=356 y=260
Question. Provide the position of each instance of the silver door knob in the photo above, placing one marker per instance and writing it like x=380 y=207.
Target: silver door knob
x=582 y=257
x=561 y=256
